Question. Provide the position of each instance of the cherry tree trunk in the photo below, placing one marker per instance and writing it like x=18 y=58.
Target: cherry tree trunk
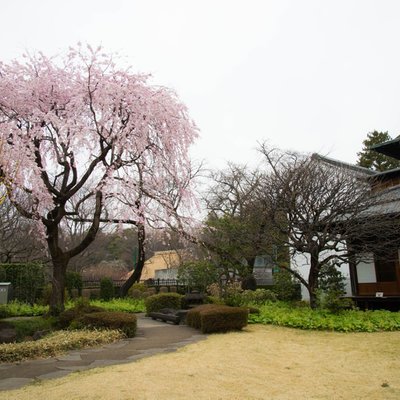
x=58 y=286
x=137 y=272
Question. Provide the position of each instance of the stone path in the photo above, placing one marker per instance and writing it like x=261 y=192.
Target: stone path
x=152 y=337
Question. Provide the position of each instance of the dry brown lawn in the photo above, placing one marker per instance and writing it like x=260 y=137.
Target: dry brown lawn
x=262 y=362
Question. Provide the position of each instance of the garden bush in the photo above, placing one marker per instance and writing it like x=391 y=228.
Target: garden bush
x=212 y=318
x=163 y=300
x=56 y=343
x=74 y=281
x=125 y=322
x=284 y=314
x=258 y=296
x=106 y=289
x=138 y=291
x=26 y=278
x=285 y=287
x=223 y=319
x=232 y=294
x=28 y=327
x=193 y=316
x=81 y=307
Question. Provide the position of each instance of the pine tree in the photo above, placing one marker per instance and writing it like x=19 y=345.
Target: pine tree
x=373 y=160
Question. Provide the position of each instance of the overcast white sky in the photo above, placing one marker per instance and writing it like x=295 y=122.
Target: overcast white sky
x=304 y=75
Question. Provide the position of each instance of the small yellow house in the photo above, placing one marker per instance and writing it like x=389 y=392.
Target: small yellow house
x=161 y=263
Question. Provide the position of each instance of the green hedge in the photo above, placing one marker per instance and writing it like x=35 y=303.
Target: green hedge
x=193 y=318
x=163 y=300
x=125 y=322
x=27 y=279
x=212 y=318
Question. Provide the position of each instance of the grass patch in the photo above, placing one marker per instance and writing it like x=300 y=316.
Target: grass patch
x=284 y=314
x=19 y=309
x=261 y=362
x=122 y=305
x=57 y=343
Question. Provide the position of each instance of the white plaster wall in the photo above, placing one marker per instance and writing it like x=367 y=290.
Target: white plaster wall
x=301 y=262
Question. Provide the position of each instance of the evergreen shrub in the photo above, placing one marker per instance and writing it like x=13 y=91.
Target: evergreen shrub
x=125 y=322
x=193 y=318
x=81 y=307
x=27 y=279
x=211 y=318
x=258 y=296
x=106 y=289
x=163 y=300
x=74 y=281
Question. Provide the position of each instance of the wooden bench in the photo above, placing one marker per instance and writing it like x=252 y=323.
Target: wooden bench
x=169 y=315
x=194 y=299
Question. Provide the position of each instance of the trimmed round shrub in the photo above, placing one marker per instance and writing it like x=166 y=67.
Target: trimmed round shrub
x=211 y=318
x=193 y=316
x=223 y=319
x=163 y=300
x=125 y=322
x=106 y=289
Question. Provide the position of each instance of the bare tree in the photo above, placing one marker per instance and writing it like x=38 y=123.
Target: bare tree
x=17 y=244
x=318 y=207
x=237 y=230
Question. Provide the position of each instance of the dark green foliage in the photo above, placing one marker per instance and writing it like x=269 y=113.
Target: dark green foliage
x=163 y=300
x=106 y=289
x=125 y=322
x=259 y=296
x=249 y=282
x=331 y=289
x=28 y=327
x=26 y=278
x=211 y=318
x=198 y=274
x=81 y=307
x=373 y=160
x=285 y=314
x=224 y=320
x=74 y=281
x=284 y=286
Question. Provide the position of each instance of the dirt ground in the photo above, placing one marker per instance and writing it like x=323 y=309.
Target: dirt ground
x=262 y=362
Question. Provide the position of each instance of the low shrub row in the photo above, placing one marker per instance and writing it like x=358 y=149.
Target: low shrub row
x=285 y=314
x=163 y=300
x=86 y=315
x=211 y=318
x=125 y=322
x=57 y=343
